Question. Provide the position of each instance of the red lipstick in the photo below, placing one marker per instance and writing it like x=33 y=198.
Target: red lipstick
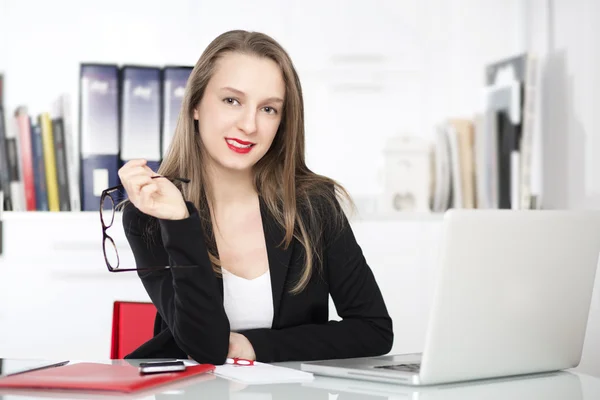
x=240 y=150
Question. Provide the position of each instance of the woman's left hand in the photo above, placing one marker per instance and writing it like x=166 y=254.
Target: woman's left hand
x=240 y=347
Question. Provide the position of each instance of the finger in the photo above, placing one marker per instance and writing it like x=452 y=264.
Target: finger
x=232 y=349
x=140 y=170
x=146 y=193
x=137 y=162
x=231 y=353
x=134 y=186
x=149 y=170
x=149 y=189
x=128 y=175
x=130 y=165
x=138 y=181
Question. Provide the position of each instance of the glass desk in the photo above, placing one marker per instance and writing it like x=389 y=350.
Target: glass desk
x=565 y=385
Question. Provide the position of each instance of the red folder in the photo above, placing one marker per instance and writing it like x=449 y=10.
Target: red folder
x=95 y=376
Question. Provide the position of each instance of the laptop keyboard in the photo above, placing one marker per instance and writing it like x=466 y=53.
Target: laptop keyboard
x=402 y=367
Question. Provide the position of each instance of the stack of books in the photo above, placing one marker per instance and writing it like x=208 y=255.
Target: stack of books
x=124 y=112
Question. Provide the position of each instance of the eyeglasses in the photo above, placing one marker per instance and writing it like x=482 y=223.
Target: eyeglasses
x=107 y=217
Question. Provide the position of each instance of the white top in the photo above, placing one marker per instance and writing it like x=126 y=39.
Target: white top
x=248 y=302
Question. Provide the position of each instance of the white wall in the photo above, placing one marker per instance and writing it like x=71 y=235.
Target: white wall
x=370 y=70
x=565 y=33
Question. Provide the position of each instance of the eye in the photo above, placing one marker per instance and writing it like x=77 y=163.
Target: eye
x=270 y=110
x=231 y=101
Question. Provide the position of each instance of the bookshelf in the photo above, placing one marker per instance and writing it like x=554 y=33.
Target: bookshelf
x=340 y=53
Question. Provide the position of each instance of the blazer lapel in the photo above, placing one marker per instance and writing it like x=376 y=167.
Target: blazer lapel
x=279 y=258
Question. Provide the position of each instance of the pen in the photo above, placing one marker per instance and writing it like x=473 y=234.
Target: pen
x=239 y=361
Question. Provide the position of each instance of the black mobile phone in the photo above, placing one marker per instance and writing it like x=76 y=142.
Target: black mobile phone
x=157 y=367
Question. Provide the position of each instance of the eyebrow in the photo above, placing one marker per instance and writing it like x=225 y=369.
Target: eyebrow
x=240 y=93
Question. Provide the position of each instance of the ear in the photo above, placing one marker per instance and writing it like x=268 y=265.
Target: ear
x=196 y=114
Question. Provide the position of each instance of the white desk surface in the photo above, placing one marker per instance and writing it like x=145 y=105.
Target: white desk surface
x=565 y=385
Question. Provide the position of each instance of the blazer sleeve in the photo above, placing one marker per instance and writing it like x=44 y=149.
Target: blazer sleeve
x=187 y=294
x=365 y=329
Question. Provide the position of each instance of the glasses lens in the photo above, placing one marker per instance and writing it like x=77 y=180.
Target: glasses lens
x=110 y=252
x=107 y=210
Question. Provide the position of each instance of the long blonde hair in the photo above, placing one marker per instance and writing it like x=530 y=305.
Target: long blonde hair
x=299 y=200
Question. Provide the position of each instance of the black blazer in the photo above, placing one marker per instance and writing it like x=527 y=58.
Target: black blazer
x=191 y=320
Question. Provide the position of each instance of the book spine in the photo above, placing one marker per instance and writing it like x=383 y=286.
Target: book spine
x=24 y=132
x=40 y=170
x=4 y=167
x=61 y=165
x=50 y=161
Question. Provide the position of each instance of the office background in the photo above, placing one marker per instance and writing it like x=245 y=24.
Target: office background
x=371 y=71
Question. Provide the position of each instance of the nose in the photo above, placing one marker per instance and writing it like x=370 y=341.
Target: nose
x=247 y=122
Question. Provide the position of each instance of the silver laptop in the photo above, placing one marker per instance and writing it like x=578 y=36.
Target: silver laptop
x=512 y=297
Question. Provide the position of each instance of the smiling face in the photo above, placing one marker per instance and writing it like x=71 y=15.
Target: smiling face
x=240 y=111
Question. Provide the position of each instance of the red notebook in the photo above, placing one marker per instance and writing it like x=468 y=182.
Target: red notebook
x=97 y=376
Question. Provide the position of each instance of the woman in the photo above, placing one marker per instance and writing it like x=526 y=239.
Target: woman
x=260 y=240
